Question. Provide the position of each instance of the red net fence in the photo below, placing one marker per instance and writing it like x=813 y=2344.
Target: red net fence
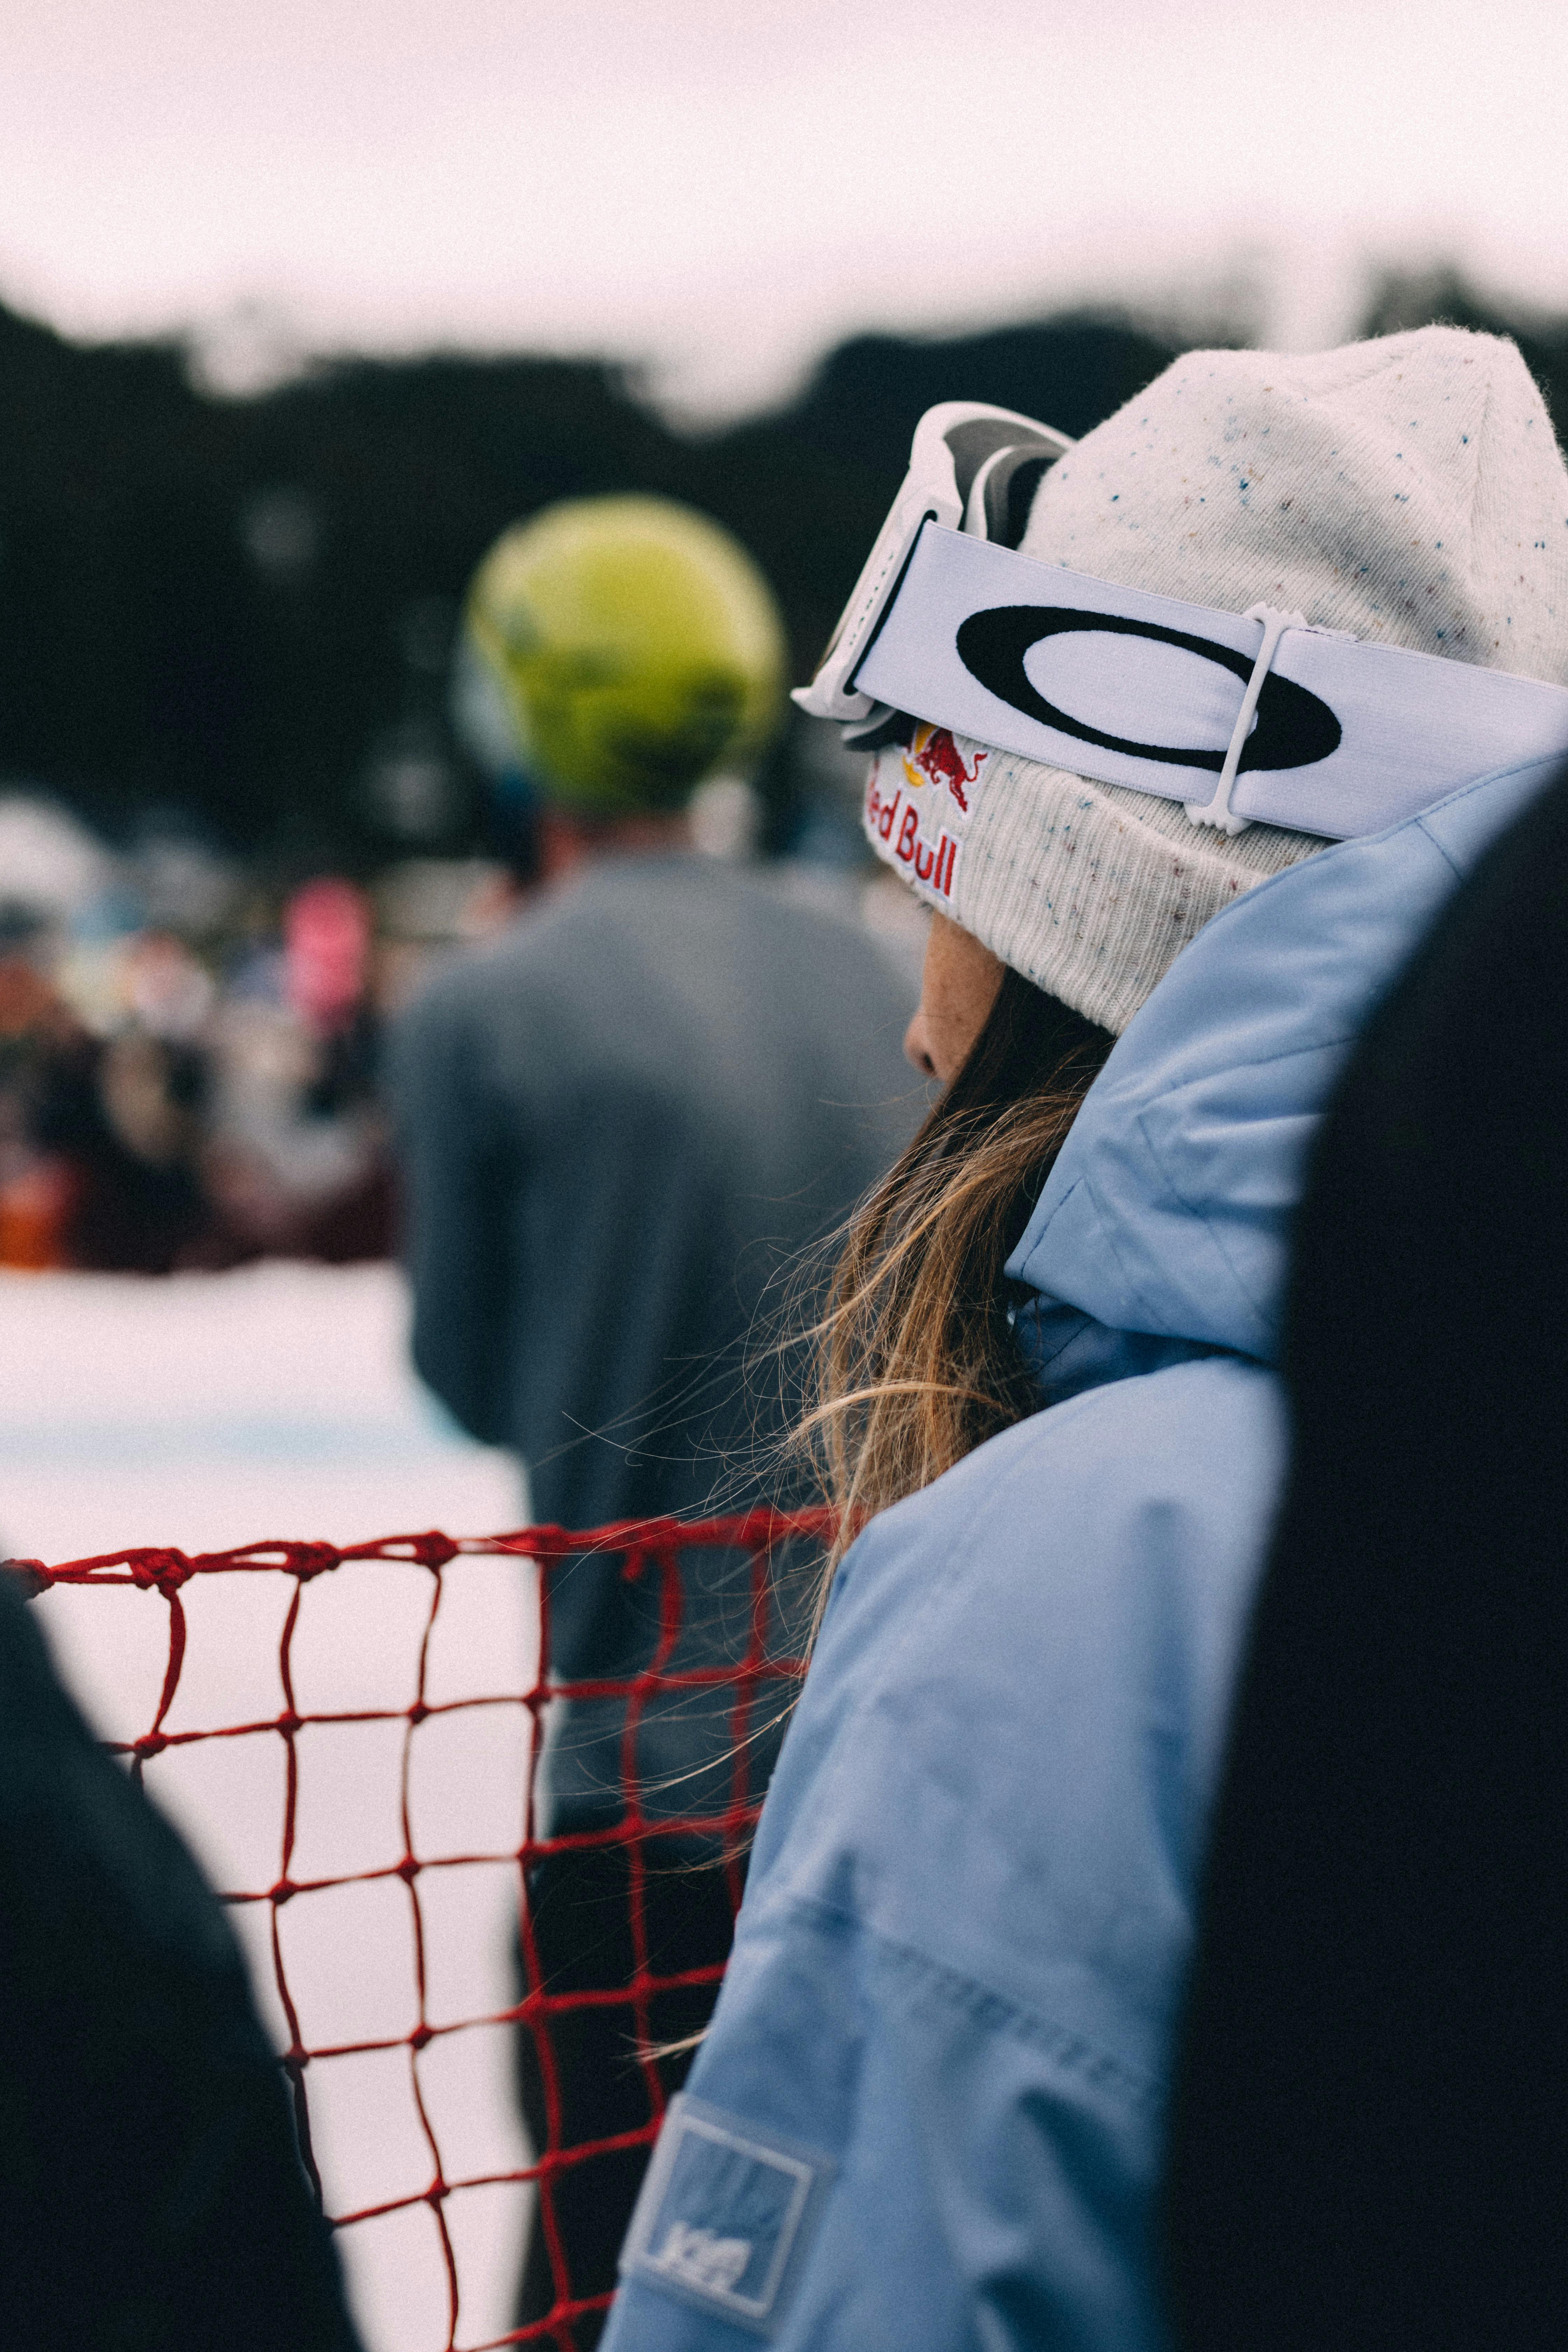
x=317 y=1696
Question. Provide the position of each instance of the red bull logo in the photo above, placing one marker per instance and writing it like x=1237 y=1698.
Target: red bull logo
x=894 y=819
x=935 y=758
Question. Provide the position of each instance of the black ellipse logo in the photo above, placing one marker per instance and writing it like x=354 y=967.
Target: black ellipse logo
x=1295 y=728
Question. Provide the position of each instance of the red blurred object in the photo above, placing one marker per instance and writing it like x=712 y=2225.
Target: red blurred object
x=36 y=1213
x=326 y=952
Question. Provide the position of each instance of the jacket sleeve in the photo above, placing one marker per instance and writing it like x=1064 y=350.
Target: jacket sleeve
x=456 y=1225
x=876 y=2152
x=890 y=2140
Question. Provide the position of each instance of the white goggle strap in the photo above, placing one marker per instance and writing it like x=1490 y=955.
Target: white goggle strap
x=1246 y=719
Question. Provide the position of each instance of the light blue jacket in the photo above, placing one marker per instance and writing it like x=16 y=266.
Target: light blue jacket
x=928 y=2115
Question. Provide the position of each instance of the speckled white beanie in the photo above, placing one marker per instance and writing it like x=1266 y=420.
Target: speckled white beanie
x=1409 y=490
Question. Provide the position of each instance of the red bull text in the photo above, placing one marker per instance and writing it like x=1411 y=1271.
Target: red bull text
x=895 y=821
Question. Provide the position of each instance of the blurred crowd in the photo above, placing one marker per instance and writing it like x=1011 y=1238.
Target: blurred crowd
x=189 y=1046
x=187 y=1054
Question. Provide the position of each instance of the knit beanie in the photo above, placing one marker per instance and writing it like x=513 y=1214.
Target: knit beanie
x=1409 y=490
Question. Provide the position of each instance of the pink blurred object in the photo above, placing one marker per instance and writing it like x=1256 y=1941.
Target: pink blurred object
x=326 y=951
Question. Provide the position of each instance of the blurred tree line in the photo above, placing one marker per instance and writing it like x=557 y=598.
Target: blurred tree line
x=244 y=608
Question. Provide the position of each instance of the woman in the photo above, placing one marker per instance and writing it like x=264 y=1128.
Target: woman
x=929 y=2112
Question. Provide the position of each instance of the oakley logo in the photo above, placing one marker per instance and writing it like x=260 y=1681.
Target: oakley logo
x=1294 y=728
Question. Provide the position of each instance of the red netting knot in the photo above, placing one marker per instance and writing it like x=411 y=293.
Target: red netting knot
x=437 y=2192
x=432 y=1550
x=408 y=1870
x=151 y=1743
x=308 y=1559
x=288 y=1723
x=282 y=1891
x=30 y=1574
x=164 y=1571
x=419 y=1711
x=420 y=2036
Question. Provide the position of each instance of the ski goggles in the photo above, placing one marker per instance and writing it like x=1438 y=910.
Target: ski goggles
x=1246 y=717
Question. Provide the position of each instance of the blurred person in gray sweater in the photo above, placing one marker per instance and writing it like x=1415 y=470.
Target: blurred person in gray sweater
x=621 y=1125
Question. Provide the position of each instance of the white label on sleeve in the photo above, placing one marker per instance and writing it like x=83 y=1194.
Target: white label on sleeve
x=722 y=2214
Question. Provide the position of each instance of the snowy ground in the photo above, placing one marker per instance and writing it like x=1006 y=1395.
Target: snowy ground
x=209 y=1411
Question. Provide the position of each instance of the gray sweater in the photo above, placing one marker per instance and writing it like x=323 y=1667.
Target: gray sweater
x=620 y=1127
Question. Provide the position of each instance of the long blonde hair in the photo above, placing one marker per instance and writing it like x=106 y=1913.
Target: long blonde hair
x=915 y=1363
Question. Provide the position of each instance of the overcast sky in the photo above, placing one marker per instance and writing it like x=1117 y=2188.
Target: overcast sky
x=722 y=186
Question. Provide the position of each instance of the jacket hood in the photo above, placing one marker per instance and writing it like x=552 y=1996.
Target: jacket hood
x=1164 y=1228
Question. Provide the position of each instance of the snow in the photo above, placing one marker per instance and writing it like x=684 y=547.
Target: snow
x=207 y=1411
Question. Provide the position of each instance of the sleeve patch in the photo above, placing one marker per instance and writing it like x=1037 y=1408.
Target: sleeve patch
x=723 y=2215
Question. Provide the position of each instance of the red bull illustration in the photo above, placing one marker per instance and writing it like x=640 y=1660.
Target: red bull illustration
x=934 y=757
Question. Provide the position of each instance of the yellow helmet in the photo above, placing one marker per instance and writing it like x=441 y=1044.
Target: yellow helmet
x=639 y=647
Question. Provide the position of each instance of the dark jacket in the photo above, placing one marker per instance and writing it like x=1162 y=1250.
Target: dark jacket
x=1370 y=2145
x=151 y=2194
x=618 y=1128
